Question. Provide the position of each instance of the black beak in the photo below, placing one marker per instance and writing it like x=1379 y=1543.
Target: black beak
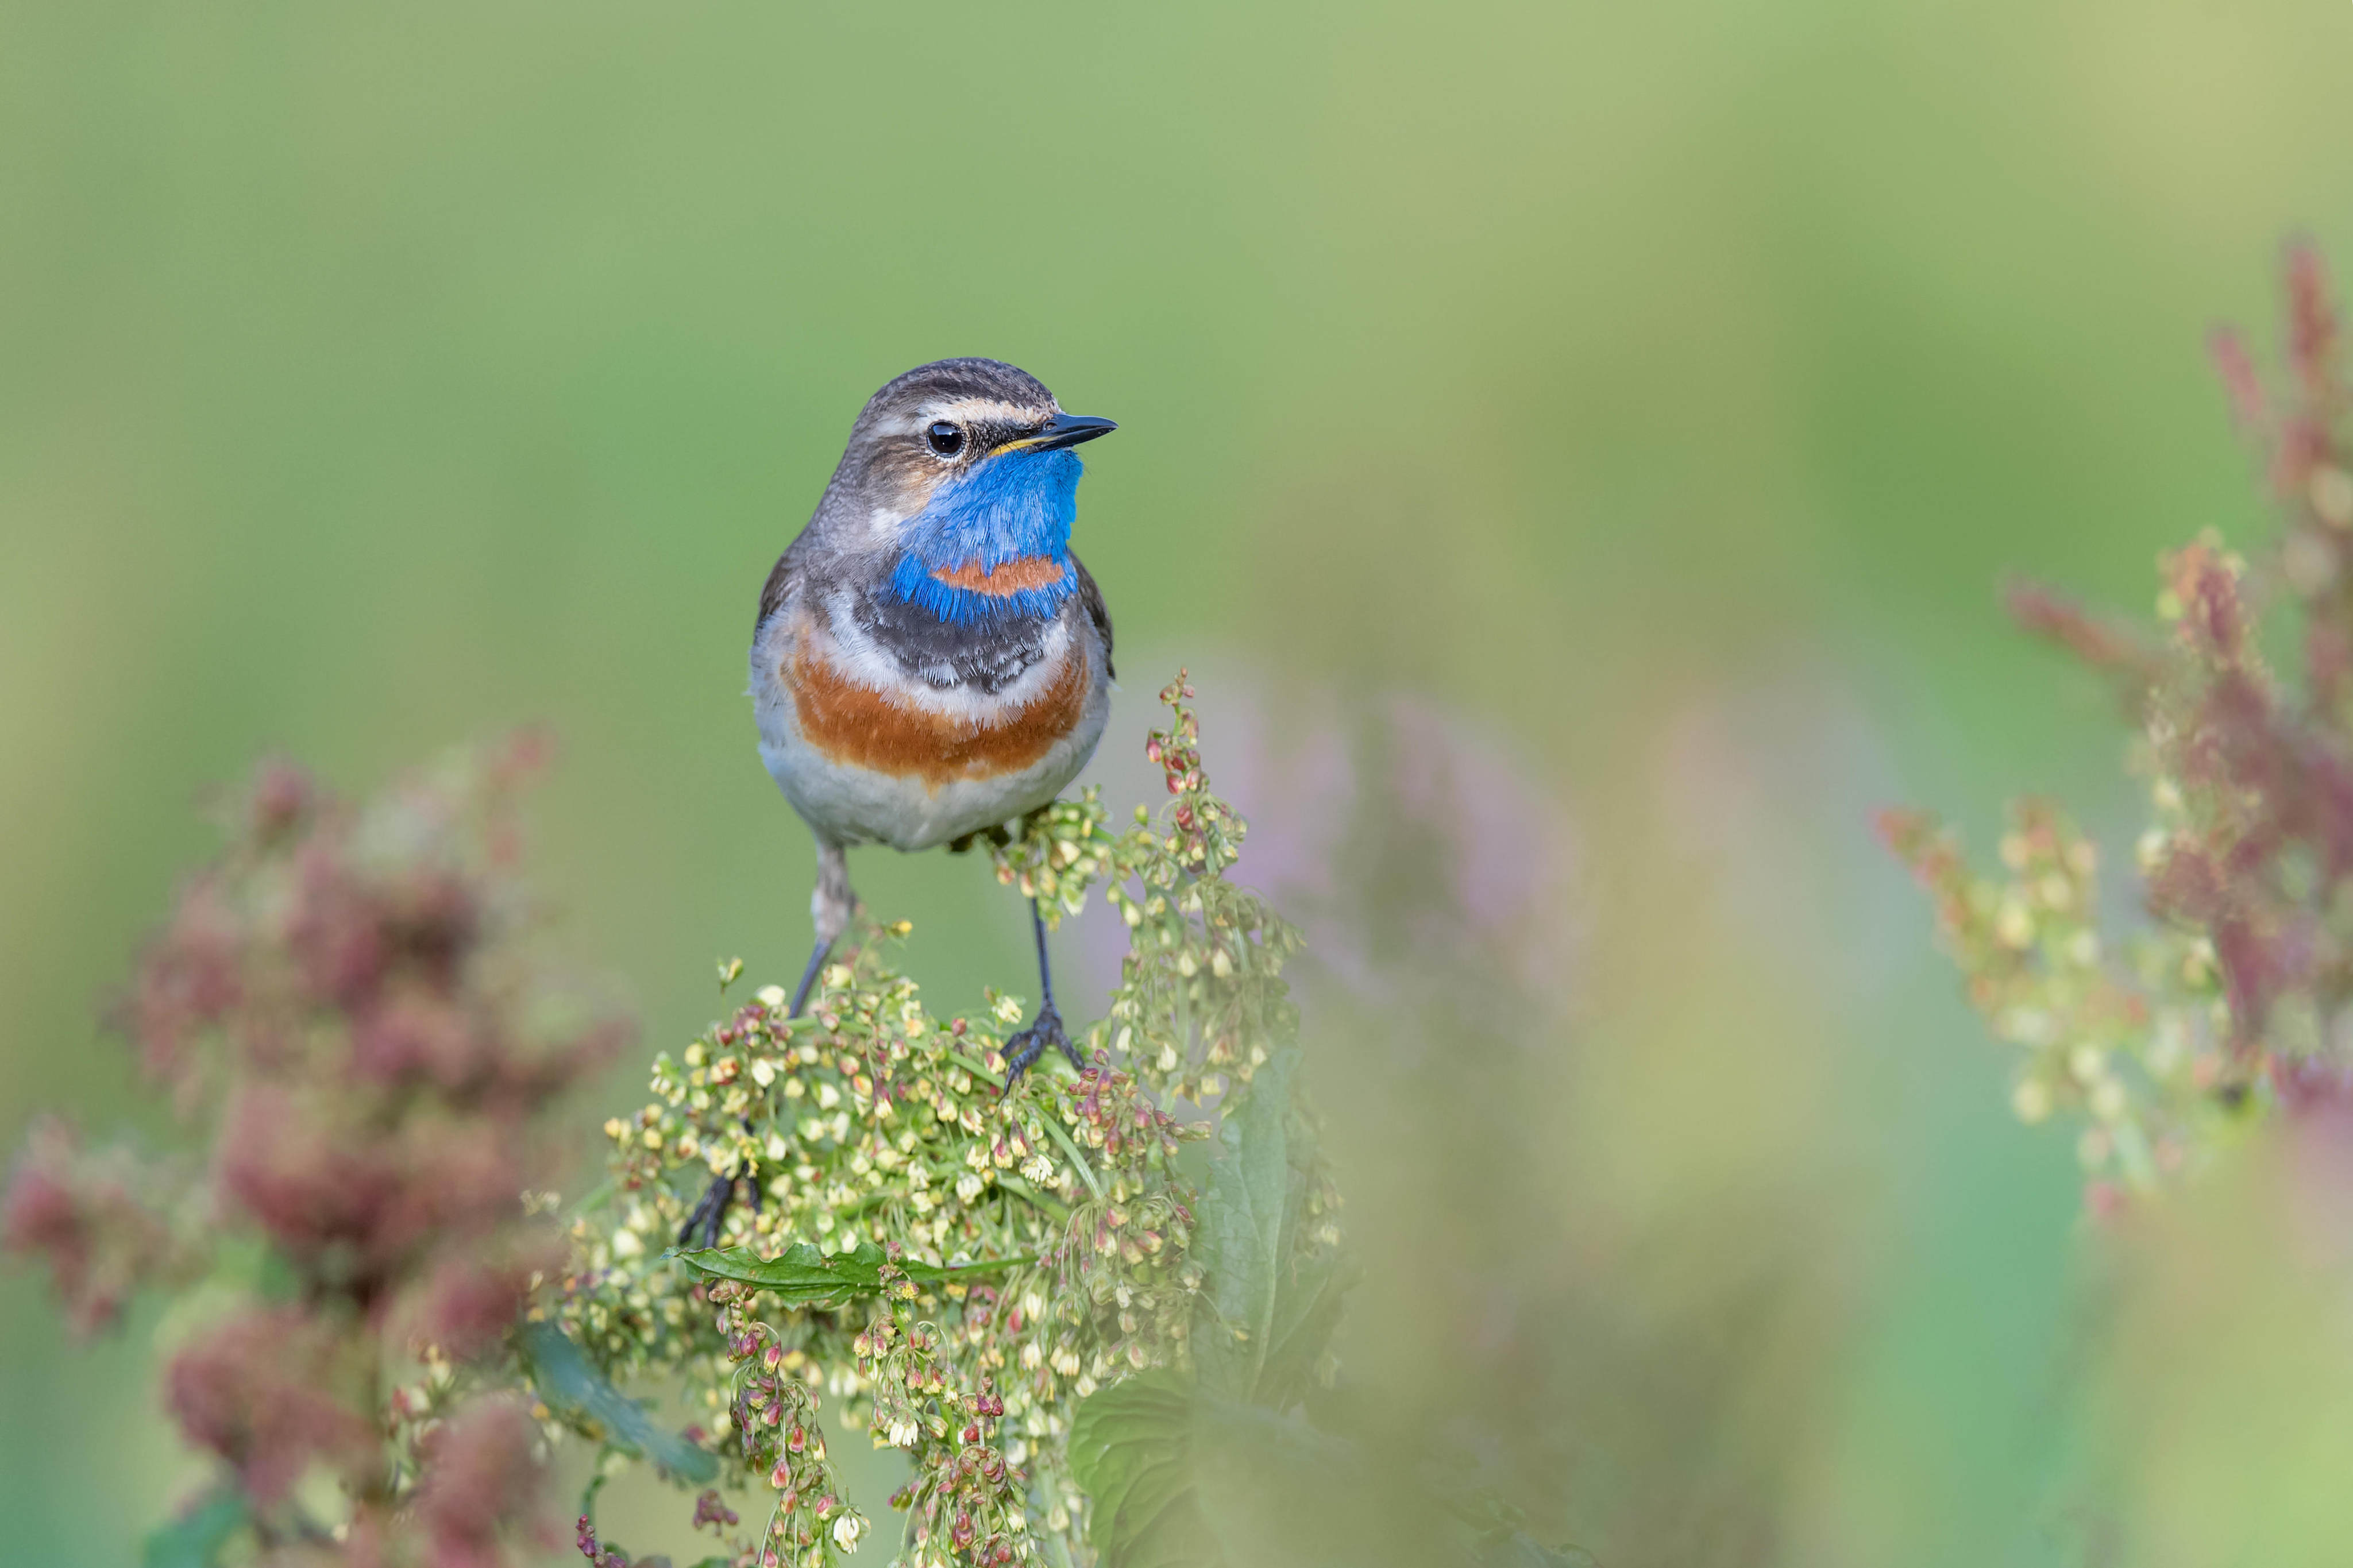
x=1069 y=430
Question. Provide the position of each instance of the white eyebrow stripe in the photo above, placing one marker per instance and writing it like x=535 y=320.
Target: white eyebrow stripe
x=966 y=410
x=986 y=410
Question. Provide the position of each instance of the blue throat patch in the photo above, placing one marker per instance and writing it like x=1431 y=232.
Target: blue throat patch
x=1019 y=507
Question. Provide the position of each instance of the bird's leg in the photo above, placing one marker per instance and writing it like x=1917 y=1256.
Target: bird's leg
x=830 y=906
x=817 y=955
x=1044 y=1030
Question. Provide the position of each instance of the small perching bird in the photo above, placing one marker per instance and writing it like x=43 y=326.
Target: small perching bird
x=931 y=660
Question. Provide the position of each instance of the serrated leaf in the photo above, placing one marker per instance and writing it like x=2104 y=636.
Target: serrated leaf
x=1247 y=1217
x=1307 y=1307
x=570 y=1383
x=195 y=1538
x=1131 y=1448
x=804 y=1277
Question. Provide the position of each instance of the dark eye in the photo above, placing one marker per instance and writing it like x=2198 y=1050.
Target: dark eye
x=946 y=438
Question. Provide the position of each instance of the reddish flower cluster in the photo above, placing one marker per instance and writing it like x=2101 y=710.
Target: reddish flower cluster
x=98 y=1217
x=708 y=1511
x=1116 y=1116
x=775 y=1415
x=2261 y=783
x=711 y=1513
x=2243 y=993
x=965 y=1489
x=347 y=1000
x=2257 y=776
x=261 y=1391
x=584 y=1536
x=968 y=1494
x=1202 y=825
x=482 y=1483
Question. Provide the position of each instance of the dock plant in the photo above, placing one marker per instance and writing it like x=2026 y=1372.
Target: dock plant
x=2162 y=1038
x=388 y=1326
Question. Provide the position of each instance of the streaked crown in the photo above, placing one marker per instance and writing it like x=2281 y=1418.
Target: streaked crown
x=940 y=421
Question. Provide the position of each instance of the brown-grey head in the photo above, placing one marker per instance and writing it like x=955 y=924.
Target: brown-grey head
x=932 y=423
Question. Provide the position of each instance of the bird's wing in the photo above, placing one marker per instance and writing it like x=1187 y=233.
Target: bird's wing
x=782 y=579
x=1097 y=611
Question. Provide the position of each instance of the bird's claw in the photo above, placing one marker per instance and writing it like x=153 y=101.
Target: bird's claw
x=1030 y=1044
x=707 y=1214
x=712 y=1211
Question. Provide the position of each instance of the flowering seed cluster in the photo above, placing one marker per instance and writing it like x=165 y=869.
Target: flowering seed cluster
x=1200 y=993
x=2133 y=1051
x=870 y=1128
x=2241 y=995
x=773 y=1416
x=966 y=1496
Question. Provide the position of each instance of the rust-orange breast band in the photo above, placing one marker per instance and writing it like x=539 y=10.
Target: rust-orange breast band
x=855 y=724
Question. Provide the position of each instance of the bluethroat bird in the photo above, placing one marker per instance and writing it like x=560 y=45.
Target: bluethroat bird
x=930 y=661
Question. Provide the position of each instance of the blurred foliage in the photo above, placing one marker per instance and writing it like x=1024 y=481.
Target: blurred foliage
x=1656 y=390
x=2226 y=1013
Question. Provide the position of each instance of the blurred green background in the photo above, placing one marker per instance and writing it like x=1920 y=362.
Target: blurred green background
x=1662 y=389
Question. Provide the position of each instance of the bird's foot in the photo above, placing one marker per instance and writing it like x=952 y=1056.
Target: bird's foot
x=1030 y=1044
x=712 y=1212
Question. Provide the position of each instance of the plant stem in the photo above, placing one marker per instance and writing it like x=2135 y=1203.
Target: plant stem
x=1070 y=1147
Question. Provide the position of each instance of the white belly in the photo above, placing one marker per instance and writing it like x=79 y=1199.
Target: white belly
x=846 y=803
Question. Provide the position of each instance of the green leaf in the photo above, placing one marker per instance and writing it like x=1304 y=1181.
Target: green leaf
x=1149 y=1450
x=1182 y=1479
x=569 y=1384
x=194 y=1538
x=1307 y=1305
x=1247 y=1218
x=1131 y=1448
x=805 y=1276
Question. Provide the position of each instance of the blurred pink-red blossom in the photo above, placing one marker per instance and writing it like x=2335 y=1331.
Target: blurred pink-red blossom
x=350 y=1006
